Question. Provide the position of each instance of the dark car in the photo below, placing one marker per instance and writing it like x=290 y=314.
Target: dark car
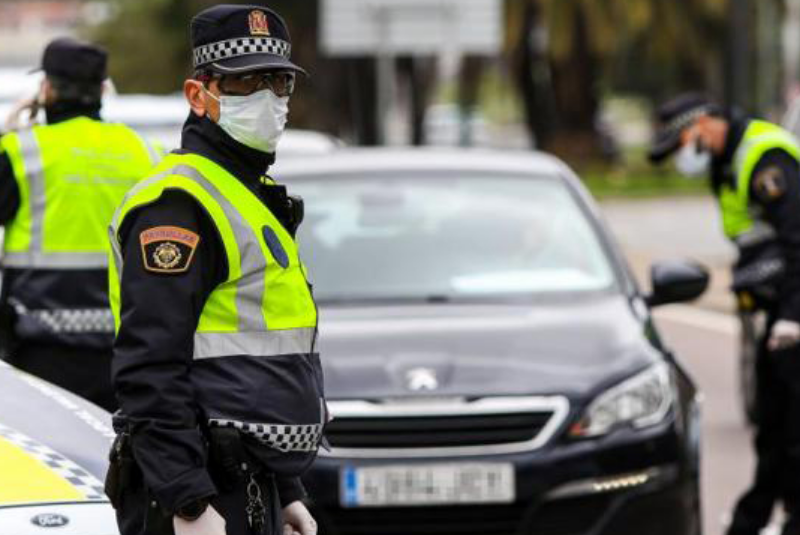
x=490 y=363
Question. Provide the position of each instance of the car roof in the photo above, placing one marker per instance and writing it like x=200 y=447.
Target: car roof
x=359 y=160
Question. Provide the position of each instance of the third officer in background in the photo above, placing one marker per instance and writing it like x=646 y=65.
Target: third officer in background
x=754 y=171
x=215 y=363
x=59 y=186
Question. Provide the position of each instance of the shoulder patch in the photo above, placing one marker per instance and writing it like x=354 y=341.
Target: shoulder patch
x=770 y=183
x=168 y=249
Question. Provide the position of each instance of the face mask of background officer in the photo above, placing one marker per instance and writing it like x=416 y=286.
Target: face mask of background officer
x=695 y=132
x=754 y=172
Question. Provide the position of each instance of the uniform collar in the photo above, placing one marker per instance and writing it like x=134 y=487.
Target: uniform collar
x=58 y=113
x=203 y=136
x=722 y=171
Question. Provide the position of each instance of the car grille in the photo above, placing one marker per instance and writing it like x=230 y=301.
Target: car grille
x=576 y=516
x=500 y=424
x=440 y=431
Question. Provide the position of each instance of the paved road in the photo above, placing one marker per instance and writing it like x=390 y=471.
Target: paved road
x=704 y=336
x=706 y=344
x=659 y=229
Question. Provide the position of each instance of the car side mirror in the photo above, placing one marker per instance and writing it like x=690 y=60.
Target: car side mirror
x=677 y=281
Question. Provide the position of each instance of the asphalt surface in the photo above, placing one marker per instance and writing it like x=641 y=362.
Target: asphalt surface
x=668 y=229
x=704 y=336
x=705 y=344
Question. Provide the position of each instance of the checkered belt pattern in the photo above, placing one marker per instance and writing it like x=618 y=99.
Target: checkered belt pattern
x=83 y=481
x=285 y=438
x=240 y=47
x=759 y=272
x=78 y=320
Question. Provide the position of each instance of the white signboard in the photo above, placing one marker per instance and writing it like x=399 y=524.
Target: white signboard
x=375 y=27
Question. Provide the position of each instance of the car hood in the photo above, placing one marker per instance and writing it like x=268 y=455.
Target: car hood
x=478 y=350
x=52 y=437
x=86 y=518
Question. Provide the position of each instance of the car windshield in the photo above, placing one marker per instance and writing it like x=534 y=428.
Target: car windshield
x=388 y=237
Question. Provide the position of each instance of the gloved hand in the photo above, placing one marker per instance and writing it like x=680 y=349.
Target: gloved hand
x=297 y=520
x=784 y=334
x=209 y=523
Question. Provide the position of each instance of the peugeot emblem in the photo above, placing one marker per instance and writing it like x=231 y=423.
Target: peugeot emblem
x=50 y=520
x=419 y=379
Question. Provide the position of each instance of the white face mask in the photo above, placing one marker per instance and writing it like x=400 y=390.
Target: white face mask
x=257 y=120
x=692 y=161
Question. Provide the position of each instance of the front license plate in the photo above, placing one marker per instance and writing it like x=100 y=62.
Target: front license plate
x=427 y=484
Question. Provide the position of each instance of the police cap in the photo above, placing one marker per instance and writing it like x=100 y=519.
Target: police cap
x=672 y=117
x=75 y=61
x=237 y=38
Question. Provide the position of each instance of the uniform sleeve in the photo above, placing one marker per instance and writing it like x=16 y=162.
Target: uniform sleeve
x=161 y=303
x=9 y=191
x=775 y=187
x=290 y=489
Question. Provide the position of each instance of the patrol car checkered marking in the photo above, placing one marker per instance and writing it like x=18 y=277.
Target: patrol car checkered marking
x=80 y=479
x=78 y=320
x=285 y=438
x=240 y=47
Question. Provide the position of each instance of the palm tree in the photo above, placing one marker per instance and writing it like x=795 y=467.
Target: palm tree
x=564 y=50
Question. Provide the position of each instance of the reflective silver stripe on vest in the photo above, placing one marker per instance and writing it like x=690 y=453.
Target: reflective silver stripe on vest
x=34 y=172
x=38 y=260
x=34 y=257
x=113 y=228
x=155 y=156
x=257 y=344
x=251 y=285
x=252 y=338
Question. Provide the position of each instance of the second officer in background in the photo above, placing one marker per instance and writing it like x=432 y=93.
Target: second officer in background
x=754 y=169
x=59 y=186
x=215 y=364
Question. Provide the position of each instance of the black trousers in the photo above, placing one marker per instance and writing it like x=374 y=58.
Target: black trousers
x=138 y=514
x=777 y=445
x=85 y=372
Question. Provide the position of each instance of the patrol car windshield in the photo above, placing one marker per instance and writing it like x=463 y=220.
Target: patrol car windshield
x=445 y=237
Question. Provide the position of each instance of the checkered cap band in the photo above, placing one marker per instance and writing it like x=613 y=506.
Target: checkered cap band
x=244 y=46
x=78 y=320
x=284 y=438
x=84 y=482
x=685 y=119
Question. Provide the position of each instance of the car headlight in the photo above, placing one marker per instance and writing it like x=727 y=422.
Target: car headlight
x=643 y=400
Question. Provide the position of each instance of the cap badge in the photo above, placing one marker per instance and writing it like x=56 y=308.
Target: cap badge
x=258 y=23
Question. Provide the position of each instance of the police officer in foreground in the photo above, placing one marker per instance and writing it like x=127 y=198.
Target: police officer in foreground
x=215 y=364
x=754 y=171
x=59 y=186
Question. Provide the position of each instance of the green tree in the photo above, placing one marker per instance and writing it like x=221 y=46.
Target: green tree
x=565 y=52
x=150 y=52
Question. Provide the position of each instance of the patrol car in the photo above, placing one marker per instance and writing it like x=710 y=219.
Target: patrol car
x=53 y=459
x=491 y=365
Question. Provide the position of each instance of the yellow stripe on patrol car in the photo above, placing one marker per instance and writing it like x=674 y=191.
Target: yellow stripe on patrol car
x=25 y=479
